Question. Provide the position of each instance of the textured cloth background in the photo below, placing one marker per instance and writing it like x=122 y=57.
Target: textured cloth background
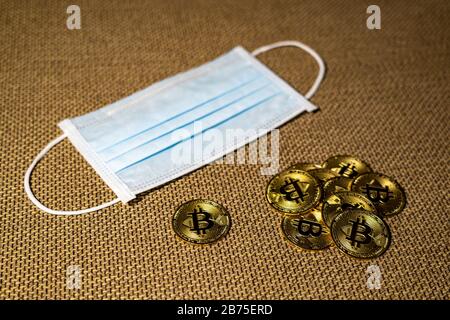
x=385 y=99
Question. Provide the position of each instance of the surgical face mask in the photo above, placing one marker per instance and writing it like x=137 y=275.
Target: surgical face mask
x=129 y=143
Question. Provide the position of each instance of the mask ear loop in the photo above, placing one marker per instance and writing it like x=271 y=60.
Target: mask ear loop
x=298 y=44
x=36 y=202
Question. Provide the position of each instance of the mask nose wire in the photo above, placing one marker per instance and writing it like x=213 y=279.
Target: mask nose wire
x=37 y=203
x=301 y=45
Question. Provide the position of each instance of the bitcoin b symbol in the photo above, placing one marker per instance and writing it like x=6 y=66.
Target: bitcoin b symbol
x=349 y=206
x=360 y=233
x=347 y=169
x=201 y=221
x=293 y=191
x=308 y=228
x=377 y=193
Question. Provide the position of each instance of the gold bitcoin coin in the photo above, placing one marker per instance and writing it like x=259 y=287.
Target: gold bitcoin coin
x=307 y=231
x=293 y=191
x=337 y=184
x=305 y=166
x=361 y=234
x=342 y=201
x=347 y=166
x=323 y=175
x=201 y=221
x=384 y=192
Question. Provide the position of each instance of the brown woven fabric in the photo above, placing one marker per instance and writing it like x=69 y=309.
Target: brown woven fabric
x=385 y=99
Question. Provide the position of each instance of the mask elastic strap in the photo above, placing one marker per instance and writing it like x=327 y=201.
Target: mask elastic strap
x=308 y=49
x=38 y=204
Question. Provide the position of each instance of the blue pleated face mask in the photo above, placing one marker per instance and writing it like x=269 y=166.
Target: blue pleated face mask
x=130 y=143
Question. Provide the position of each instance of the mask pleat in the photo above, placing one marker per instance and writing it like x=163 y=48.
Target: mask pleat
x=169 y=128
x=181 y=120
x=157 y=106
x=168 y=147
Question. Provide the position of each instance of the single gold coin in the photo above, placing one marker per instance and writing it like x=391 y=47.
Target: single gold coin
x=322 y=174
x=342 y=201
x=347 y=166
x=305 y=166
x=361 y=234
x=384 y=192
x=307 y=231
x=201 y=221
x=293 y=191
x=337 y=184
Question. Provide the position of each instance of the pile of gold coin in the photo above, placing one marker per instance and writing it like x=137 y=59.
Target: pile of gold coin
x=341 y=201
